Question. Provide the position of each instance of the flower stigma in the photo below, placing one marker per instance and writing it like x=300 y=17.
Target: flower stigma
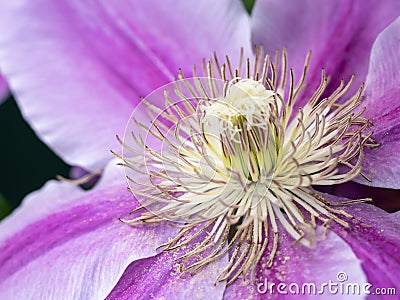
x=231 y=159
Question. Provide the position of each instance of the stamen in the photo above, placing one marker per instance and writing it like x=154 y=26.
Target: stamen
x=235 y=164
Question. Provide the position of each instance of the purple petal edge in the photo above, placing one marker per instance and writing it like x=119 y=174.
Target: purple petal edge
x=382 y=93
x=4 y=92
x=78 y=249
x=340 y=35
x=159 y=277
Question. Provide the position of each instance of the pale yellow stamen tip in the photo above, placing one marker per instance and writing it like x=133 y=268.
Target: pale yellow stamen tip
x=240 y=164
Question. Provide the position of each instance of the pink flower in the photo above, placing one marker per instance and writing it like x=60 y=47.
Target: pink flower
x=78 y=69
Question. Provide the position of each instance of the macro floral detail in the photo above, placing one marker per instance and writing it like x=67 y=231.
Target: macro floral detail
x=77 y=70
x=234 y=158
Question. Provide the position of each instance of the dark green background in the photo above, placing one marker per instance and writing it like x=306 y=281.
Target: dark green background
x=26 y=163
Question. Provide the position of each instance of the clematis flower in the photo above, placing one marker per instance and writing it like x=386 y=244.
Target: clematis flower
x=78 y=70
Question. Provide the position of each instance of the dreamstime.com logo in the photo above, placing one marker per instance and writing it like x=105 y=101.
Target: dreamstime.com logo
x=340 y=286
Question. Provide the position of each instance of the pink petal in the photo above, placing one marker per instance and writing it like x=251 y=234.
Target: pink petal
x=78 y=68
x=113 y=174
x=339 y=33
x=39 y=204
x=3 y=89
x=75 y=249
x=382 y=94
x=374 y=237
x=300 y=265
x=368 y=252
x=157 y=277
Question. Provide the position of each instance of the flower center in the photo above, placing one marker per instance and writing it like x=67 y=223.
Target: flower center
x=246 y=99
x=241 y=121
x=234 y=161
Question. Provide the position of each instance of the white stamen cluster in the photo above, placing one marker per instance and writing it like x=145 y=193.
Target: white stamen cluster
x=238 y=161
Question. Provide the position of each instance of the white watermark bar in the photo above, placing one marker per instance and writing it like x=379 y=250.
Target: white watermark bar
x=340 y=286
